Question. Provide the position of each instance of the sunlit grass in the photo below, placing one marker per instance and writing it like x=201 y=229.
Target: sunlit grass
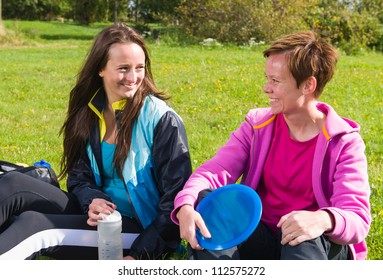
x=211 y=88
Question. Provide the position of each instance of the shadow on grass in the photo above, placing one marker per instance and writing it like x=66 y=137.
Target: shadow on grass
x=66 y=37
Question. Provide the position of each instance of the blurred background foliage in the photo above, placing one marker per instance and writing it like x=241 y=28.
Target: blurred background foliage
x=352 y=25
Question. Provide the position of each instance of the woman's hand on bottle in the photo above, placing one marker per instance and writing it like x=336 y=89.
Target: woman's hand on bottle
x=97 y=206
x=189 y=221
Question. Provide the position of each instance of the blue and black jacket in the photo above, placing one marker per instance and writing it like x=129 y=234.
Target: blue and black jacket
x=156 y=169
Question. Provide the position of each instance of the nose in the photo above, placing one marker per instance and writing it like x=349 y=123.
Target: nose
x=130 y=76
x=266 y=88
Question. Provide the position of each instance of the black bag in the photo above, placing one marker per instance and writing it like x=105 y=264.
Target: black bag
x=40 y=172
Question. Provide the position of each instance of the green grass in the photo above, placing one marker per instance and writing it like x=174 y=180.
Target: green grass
x=211 y=88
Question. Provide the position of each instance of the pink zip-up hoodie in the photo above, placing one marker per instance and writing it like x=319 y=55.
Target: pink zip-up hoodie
x=340 y=178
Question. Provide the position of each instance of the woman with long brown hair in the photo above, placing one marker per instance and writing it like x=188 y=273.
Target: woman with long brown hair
x=125 y=149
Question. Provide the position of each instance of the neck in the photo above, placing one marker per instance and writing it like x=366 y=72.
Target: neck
x=305 y=125
x=110 y=122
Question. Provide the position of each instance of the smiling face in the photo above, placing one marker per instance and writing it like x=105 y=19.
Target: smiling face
x=281 y=87
x=124 y=71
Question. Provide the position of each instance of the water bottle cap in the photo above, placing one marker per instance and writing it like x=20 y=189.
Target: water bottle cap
x=42 y=163
x=113 y=217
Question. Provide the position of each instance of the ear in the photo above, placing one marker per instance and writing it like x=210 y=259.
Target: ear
x=101 y=73
x=310 y=85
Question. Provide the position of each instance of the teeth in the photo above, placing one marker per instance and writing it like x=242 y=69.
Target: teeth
x=273 y=99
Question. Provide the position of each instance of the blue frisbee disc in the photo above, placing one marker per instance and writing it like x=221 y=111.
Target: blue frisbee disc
x=231 y=214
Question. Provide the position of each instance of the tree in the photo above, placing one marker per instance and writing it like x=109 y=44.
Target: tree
x=348 y=24
x=88 y=11
x=242 y=20
x=374 y=7
x=158 y=9
x=2 y=31
x=115 y=12
x=32 y=9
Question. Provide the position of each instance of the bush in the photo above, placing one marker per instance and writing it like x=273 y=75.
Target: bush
x=345 y=23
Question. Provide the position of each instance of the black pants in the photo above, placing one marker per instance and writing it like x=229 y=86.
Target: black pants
x=39 y=219
x=263 y=245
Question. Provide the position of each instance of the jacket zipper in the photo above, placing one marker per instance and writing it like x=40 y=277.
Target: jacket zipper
x=134 y=210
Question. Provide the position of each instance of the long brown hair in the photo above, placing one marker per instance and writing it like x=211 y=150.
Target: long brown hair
x=80 y=120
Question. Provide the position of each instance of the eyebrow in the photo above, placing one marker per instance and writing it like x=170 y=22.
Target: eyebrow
x=129 y=65
x=271 y=76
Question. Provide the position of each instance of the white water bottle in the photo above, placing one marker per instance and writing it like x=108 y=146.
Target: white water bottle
x=109 y=237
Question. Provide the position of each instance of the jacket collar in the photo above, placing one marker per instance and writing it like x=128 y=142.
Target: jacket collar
x=97 y=104
x=98 y=101
x=334 y=125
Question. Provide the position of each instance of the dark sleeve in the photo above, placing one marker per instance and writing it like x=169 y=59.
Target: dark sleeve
x=172 y=169
x=81 y=184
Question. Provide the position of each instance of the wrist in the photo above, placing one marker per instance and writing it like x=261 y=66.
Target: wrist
x=182 y=209
x=329 y=221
